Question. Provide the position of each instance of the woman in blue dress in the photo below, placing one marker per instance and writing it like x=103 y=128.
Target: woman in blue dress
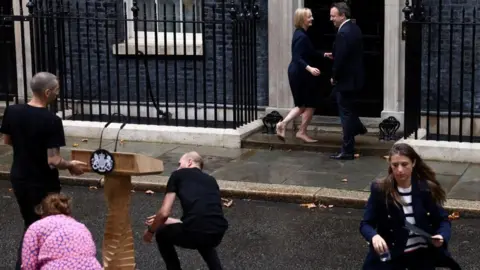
x=301 y=76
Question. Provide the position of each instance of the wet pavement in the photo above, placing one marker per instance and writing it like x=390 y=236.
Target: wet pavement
x=298 y=168
x=262 y=235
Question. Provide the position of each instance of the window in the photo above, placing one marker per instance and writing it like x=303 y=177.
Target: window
x=177 y=20
x=170 y=10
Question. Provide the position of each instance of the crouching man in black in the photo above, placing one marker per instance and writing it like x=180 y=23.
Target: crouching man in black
x=202 y=225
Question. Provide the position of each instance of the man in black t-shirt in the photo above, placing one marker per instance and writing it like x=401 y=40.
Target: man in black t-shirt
x=36 y=135
x=202 y=225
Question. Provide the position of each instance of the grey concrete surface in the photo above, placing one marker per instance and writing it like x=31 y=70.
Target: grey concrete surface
x=295 y=168
x=262 y=235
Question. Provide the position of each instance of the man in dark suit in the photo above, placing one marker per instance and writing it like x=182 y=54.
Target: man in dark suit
x=347 y=76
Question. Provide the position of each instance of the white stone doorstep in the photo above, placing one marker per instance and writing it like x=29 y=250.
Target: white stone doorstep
x=446 y=151
x=228 y=138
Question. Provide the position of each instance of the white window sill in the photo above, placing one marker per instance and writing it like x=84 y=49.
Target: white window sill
x=185 y=46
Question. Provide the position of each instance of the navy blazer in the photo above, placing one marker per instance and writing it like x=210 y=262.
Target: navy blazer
x=303 y=53
x=388 y=220
x=348 y=69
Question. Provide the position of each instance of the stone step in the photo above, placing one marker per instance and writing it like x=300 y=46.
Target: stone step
x=332 y=124
x=328 y=142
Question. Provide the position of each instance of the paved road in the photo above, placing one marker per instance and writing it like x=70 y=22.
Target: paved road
x=262 y=235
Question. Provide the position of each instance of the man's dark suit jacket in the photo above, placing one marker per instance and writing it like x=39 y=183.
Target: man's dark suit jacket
x=388 y=220
x=348 y=70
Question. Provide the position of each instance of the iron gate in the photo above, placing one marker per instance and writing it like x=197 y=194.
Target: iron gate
x=206 y=77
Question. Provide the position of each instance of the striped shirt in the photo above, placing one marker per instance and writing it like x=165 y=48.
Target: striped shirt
x=414 y=241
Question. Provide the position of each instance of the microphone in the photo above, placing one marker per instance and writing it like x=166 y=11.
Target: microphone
x=116 y=140
x=101 y=134
x=101 y=160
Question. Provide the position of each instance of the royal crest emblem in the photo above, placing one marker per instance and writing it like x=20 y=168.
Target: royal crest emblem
x=102 y=161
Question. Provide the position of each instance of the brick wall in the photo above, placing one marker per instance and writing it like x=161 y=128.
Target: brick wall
x=452 y=72
x=90 y=64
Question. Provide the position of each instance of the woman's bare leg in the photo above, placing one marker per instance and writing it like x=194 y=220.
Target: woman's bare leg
x=281 y=126
x=306 y=119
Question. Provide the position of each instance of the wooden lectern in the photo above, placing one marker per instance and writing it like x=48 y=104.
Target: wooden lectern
x=118 y=249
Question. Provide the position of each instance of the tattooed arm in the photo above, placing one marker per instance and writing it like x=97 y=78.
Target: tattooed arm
x=57 y=161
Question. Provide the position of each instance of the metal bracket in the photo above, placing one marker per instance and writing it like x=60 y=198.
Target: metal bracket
x=270 y=122
x=388 y=128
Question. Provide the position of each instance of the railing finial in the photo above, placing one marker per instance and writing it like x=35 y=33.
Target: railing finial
x=135 y=9
x=31 y=6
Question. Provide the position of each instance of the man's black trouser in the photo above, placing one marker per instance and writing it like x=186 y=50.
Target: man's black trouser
x=351 y=124
x=173 y=235
x=28 y=197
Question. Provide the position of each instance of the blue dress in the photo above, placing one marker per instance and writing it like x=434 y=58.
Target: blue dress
x=303 y=83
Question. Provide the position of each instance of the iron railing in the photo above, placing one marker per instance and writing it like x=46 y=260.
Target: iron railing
x=188 y=65
x=442 y=78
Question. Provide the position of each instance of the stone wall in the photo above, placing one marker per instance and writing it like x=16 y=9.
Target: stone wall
x=93 y=71
x=444 y=71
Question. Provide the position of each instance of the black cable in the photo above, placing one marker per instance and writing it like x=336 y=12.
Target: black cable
x=149 y=88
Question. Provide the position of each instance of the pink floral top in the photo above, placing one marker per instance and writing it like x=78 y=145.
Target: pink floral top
x=58 y=242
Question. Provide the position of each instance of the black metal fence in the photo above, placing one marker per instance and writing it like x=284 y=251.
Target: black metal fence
x=193 y=64
x=442 y=75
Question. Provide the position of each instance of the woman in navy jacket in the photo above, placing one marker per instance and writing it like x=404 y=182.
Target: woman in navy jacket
x=410 y=193
x=301 y=76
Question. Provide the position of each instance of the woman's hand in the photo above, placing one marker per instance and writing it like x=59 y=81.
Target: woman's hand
x=437 y=240
x=314 y=71
x=379 y=244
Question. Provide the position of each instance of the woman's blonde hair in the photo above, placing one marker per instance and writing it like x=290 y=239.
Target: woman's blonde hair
x=300 y=15
x=54 y=204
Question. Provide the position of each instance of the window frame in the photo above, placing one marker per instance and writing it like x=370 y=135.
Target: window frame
x=148 y=38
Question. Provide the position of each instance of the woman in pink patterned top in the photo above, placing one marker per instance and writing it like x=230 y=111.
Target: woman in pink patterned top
x=58 y=241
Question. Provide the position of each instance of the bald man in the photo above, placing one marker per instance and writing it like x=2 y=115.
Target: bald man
x=202 y=225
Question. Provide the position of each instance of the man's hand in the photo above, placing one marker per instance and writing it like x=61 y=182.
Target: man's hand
x=150 y=220
x=76 y=167
x=328 y=55
x=147 y=236
x=437 y=240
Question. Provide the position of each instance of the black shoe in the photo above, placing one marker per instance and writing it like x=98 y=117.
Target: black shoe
x=343 y=156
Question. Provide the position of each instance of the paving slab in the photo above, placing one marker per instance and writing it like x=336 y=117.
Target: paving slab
x=447 y=181
x=330 y=180
x=90 y=144
x=362 y=165
x=448 y=168
x=283 y=157
x=211 y=163
x=145 y=148
x=211 y=151
x=256 y=172
x=468 y=187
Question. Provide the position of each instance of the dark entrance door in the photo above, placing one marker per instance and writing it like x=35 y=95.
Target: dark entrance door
x=8 y=68
x=370 y=18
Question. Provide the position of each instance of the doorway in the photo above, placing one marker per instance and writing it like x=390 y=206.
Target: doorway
x=8 y=70
x=370 y=19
